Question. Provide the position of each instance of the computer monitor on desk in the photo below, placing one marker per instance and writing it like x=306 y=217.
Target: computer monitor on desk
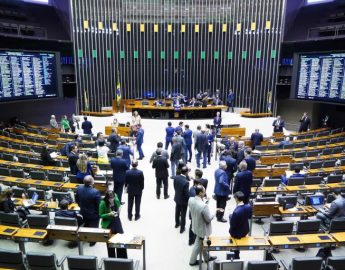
x=228 y=265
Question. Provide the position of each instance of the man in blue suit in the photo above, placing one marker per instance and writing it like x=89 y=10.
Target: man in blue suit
x=297 y=173
x=278 y=124
x=114 y=140
x=217 y=121
x=201 y=146
x=187 y=136
x=243 y=181
x=119 y=166
x=86 y=126
x=256 y=138
x=127 y=152
x=239 y=220
x=251 y=162
x=134 y=181
x=221 y=190
x=179 y=128
x=139 y=141
x=231 y=165
x=169 y=130
x=88 y=199
x=230 y=100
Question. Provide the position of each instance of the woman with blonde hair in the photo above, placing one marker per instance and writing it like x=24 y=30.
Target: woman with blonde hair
x=83 y=168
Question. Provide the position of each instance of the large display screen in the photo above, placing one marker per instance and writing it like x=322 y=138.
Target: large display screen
x=321 y=77
x=29 y=75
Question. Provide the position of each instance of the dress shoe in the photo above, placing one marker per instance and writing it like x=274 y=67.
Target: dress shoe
x=190 y=243
x=222 y=220
x=182 y=230
x=140 y=158
x=137 y=217
x=92 y=244
x=166 y=197
x=177 y=225
x=212 y=258
x=194 y=264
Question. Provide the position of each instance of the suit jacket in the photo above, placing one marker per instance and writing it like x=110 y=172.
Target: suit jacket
x=140 y=137
x=231 y=97
x=178 y=129
x=127 y=152
x=165 y=154
x=88 y=199
x=176 y=152
x=280 y=127
x=187 y=136
x=201 y=143
x=239 y=221
x=169 y=133
x=337 y=208
x=134 y=181
x=240 y=155
x=217 y=102
x=285 y=180
x=305 y=124
x=72 y=161
x=161 y=165
x=86 y=126
x=243 y=182
x=256 y=139
x=221 y=187
x=201 y=216
x=251 y=163
x=119 y=166
x=217 y=121
x=233 y=146
x=114 y=141
x=231 y=166
x=181 y=186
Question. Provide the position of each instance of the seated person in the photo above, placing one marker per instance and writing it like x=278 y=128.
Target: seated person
x=297 y=173
x=336 y=210
x=158 y=102
x=7 y=205
x=46 y=159
x=64 y=212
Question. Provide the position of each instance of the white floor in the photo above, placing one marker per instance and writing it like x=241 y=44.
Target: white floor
x=166 y=247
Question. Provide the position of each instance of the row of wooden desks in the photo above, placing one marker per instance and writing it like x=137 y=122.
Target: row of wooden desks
x=73 y=233
x=32 y=166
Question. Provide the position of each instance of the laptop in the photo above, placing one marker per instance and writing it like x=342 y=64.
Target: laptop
x=316 y=202
x=32 y=201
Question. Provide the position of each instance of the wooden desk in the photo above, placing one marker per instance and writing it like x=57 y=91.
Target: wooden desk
x=6 y=232
x=32 y=166
x=339 y=237
x=307 y=188
x=28 y=235
x=264 y=190
x=122 y=131
x=252 y=243
x=38 y=205
x=220 y=243
x=68 y=233
x=129 y=242
x=302 y=241
x=239 y=132
x=337 y=185
x=270 y=160
x=294 y=212
x=43 y=184
x=94 y=234
x=52 y=206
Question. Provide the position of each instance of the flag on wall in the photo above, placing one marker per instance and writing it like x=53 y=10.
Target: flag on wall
x=118 y=93
x=86 y=101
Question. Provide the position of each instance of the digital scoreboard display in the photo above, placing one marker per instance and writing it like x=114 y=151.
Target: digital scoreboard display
x=28 y=75
x=321 y=77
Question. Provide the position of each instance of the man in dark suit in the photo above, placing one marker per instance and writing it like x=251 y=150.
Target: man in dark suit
x=161 y=165
x=169 y=130
x=139 y=141
x=72 y=159
x=187 y=136
x=127 y=152
x=134 y=181
x=88 y=199
x=256 y=138
x=198 y=177
x=251 y=162
x=231 y=165
x=175 y=155
x=304 y=123
x=297 y=173
x=119 y=166
x=336 y=210
x=217 y=102
x=240 y=152
x=230 y=100
x=86 y=126
x=221 y=190
x=239 y=220
x=201 y=146
x=164 y=152
x=217 y=121
x=278 y=124
x=181 y=186
x=179 y=128
x=114 y=141
x=243 y=181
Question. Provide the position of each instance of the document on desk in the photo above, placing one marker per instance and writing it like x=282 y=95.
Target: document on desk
x=54 y=155
x=122 y=238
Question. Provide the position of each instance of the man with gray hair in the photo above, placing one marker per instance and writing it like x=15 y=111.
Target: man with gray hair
x=221 y=190
x=88 y=199
x=119 y=166
x=53 y=122
x=243 y=181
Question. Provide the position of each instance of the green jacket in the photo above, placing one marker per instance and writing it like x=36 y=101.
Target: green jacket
x=104 y=212
x=65 y=124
